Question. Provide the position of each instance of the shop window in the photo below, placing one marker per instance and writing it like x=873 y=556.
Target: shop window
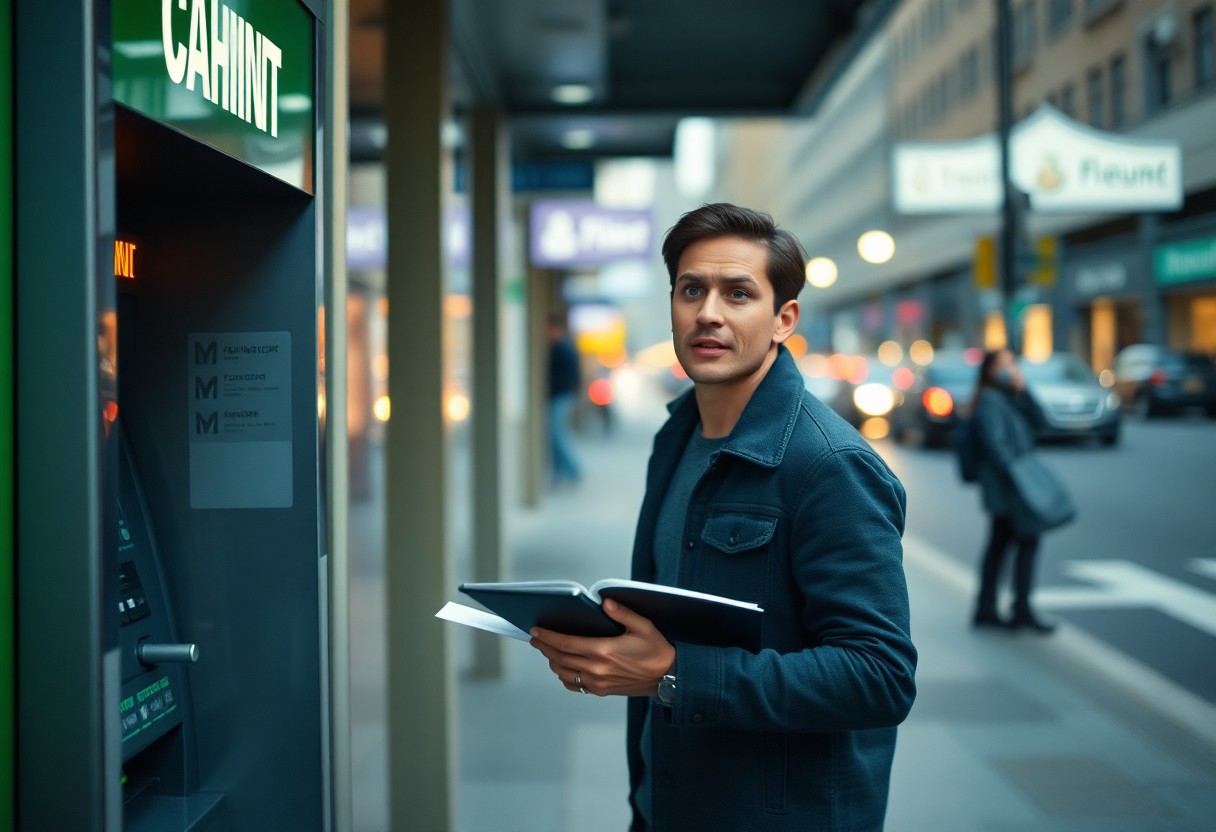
x=1068 y=104
x=1157 y=69
x=1093 y=85
x=1023 y=33
x=1205 y=61
x=1059 y=15
x=1118 y=89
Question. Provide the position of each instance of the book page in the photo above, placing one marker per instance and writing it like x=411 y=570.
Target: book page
x=481 y=620
x=609 y=583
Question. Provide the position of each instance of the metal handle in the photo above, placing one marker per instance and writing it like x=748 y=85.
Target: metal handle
x=148 y=653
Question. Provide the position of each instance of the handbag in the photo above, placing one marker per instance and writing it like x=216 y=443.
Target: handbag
x=1044 y=502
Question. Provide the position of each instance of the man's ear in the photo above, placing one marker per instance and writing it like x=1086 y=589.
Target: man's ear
x=787 y=319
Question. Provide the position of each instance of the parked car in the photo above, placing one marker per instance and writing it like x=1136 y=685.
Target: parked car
x=1154 y=380
x=1071 y=402
x=869 y=392
x=927 y=412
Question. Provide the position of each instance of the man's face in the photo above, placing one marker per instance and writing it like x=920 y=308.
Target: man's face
x=722 y=318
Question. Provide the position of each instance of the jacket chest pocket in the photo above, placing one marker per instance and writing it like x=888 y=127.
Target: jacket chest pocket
x=737 y=555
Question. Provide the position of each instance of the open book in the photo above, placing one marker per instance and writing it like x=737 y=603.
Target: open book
x=569 y=607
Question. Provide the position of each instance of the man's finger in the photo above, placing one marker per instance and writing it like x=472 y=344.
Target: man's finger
x=623 y=615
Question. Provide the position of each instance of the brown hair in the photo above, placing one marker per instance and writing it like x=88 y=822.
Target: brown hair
x=786 y=260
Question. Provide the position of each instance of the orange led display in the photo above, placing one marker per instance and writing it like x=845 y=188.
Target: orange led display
x=124 y=259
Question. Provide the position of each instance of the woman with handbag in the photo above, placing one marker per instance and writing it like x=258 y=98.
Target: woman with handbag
x=1022 y=496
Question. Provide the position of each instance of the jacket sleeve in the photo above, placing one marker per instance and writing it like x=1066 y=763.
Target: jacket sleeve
x=847 y=561
x=995 y=434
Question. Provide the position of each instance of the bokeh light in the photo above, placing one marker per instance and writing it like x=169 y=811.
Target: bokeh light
x=876 y=247
x=458 y=407
x=890 y=353
x=876 y=427
x=821 y=272
x=796 y=344
x=921 y=352
x=382 y=409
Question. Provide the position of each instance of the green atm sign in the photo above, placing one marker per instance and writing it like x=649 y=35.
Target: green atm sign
x=236 y=74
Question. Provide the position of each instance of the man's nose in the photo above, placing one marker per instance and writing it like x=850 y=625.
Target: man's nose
x=711 y=309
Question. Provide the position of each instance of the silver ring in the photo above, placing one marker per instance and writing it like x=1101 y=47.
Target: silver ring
x=578 y=680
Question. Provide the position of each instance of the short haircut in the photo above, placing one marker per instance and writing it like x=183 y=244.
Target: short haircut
x=786 y=265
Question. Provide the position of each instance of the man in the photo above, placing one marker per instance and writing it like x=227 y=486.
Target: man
x=757 y=491
x=563 y=392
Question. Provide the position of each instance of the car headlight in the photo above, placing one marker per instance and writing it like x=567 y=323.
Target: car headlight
x=1113 y=402
x=874 y=399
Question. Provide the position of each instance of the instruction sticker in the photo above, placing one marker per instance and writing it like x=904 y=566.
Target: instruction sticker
x=239 y=391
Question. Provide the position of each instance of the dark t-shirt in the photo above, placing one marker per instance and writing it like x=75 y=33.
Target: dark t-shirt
x=563 y=368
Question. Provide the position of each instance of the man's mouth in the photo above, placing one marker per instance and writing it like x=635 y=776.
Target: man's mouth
x=708 y=346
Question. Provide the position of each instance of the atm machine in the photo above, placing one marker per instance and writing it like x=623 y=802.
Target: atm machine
x=218 y=510
x=171 y=551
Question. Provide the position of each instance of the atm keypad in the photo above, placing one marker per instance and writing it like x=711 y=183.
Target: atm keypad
x=132 y=603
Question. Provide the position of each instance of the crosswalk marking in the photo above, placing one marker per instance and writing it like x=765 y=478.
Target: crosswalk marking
x=1122 y=584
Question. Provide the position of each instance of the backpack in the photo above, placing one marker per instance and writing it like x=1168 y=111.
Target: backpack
x=967 y=450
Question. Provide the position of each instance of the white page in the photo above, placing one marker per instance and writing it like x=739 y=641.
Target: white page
x=481 y=620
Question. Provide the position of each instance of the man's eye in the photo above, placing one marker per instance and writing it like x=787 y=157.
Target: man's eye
x=739 y=294
x=692 y=291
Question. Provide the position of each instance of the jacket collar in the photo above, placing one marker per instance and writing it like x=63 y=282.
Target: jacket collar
x=764 y=428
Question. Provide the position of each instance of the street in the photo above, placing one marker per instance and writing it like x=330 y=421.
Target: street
x=1136 y=570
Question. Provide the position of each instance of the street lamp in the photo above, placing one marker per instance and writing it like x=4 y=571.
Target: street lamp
x=821 y=272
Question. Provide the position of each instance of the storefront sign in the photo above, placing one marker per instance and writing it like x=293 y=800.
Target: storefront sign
x=367 y=237
x=236 y=74
x=1061 y=164
x=1185 y=262
x=1105 y=278
x=569 y=233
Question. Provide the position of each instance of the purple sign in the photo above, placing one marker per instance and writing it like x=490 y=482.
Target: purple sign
x=580 y=233
x=367 y=237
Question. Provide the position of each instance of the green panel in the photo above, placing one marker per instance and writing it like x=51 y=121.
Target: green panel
x=172 y=62
x=1185 y=262
x=6 y=418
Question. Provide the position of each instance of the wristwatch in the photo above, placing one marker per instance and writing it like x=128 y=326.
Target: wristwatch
x=666 y=693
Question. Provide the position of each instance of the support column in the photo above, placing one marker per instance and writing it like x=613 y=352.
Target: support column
x=421 y=683
x=489 y=193
x=1156 y=330
x=540 y=303
x=337 y=487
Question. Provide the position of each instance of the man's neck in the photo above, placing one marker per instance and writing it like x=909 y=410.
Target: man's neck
x=721 y=405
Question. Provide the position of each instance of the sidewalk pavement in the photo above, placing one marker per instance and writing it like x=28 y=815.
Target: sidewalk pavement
x=1009 y=732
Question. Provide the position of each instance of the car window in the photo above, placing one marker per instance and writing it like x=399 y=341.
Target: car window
x=1185 y=362
x=952 y=375
x=1057 y=369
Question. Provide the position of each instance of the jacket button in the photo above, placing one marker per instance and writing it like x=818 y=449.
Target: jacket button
x=691 y=544
x=664 y=780
x=698 y=719
x=734 y=537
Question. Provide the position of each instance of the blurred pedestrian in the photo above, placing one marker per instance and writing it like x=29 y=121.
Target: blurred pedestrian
x=758 y=491
x=1003 y=416
x=564 y=384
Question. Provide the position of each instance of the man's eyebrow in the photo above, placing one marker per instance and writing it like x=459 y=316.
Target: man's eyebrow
x=689 y=277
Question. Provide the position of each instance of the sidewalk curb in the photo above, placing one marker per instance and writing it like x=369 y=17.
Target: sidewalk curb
x=1140 y=683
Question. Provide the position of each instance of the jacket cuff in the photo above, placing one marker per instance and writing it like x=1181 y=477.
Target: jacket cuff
x=699 y=687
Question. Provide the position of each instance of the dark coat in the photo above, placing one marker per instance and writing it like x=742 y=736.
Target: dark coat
x=797 y=513
x=1004 y=432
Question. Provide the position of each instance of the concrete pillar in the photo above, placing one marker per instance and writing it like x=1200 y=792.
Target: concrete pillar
x=334 y=173
x=489 y=195
x=421 y=681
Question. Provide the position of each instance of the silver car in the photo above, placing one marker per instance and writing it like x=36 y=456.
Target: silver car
x=1072 y=404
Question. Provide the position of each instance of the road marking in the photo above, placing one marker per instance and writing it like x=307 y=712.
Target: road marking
x=1204 y=566
x=1122 y=583
x=1139 y=681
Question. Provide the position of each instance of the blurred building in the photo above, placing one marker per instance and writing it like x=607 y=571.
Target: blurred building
x=1141 y=68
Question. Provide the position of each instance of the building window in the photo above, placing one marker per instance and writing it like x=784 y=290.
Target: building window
x=1023 y=33
x=1068 y=103
x=1059 y=15
x=1118 y=87
x=1093 y=86
x=969 y=73
x=1157 y=67
x=1205 y=62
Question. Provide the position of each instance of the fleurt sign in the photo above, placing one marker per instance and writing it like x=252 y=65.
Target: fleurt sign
x=567 y=233
x=1061 y=164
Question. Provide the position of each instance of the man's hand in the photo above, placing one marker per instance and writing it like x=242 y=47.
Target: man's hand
x=630 y=664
